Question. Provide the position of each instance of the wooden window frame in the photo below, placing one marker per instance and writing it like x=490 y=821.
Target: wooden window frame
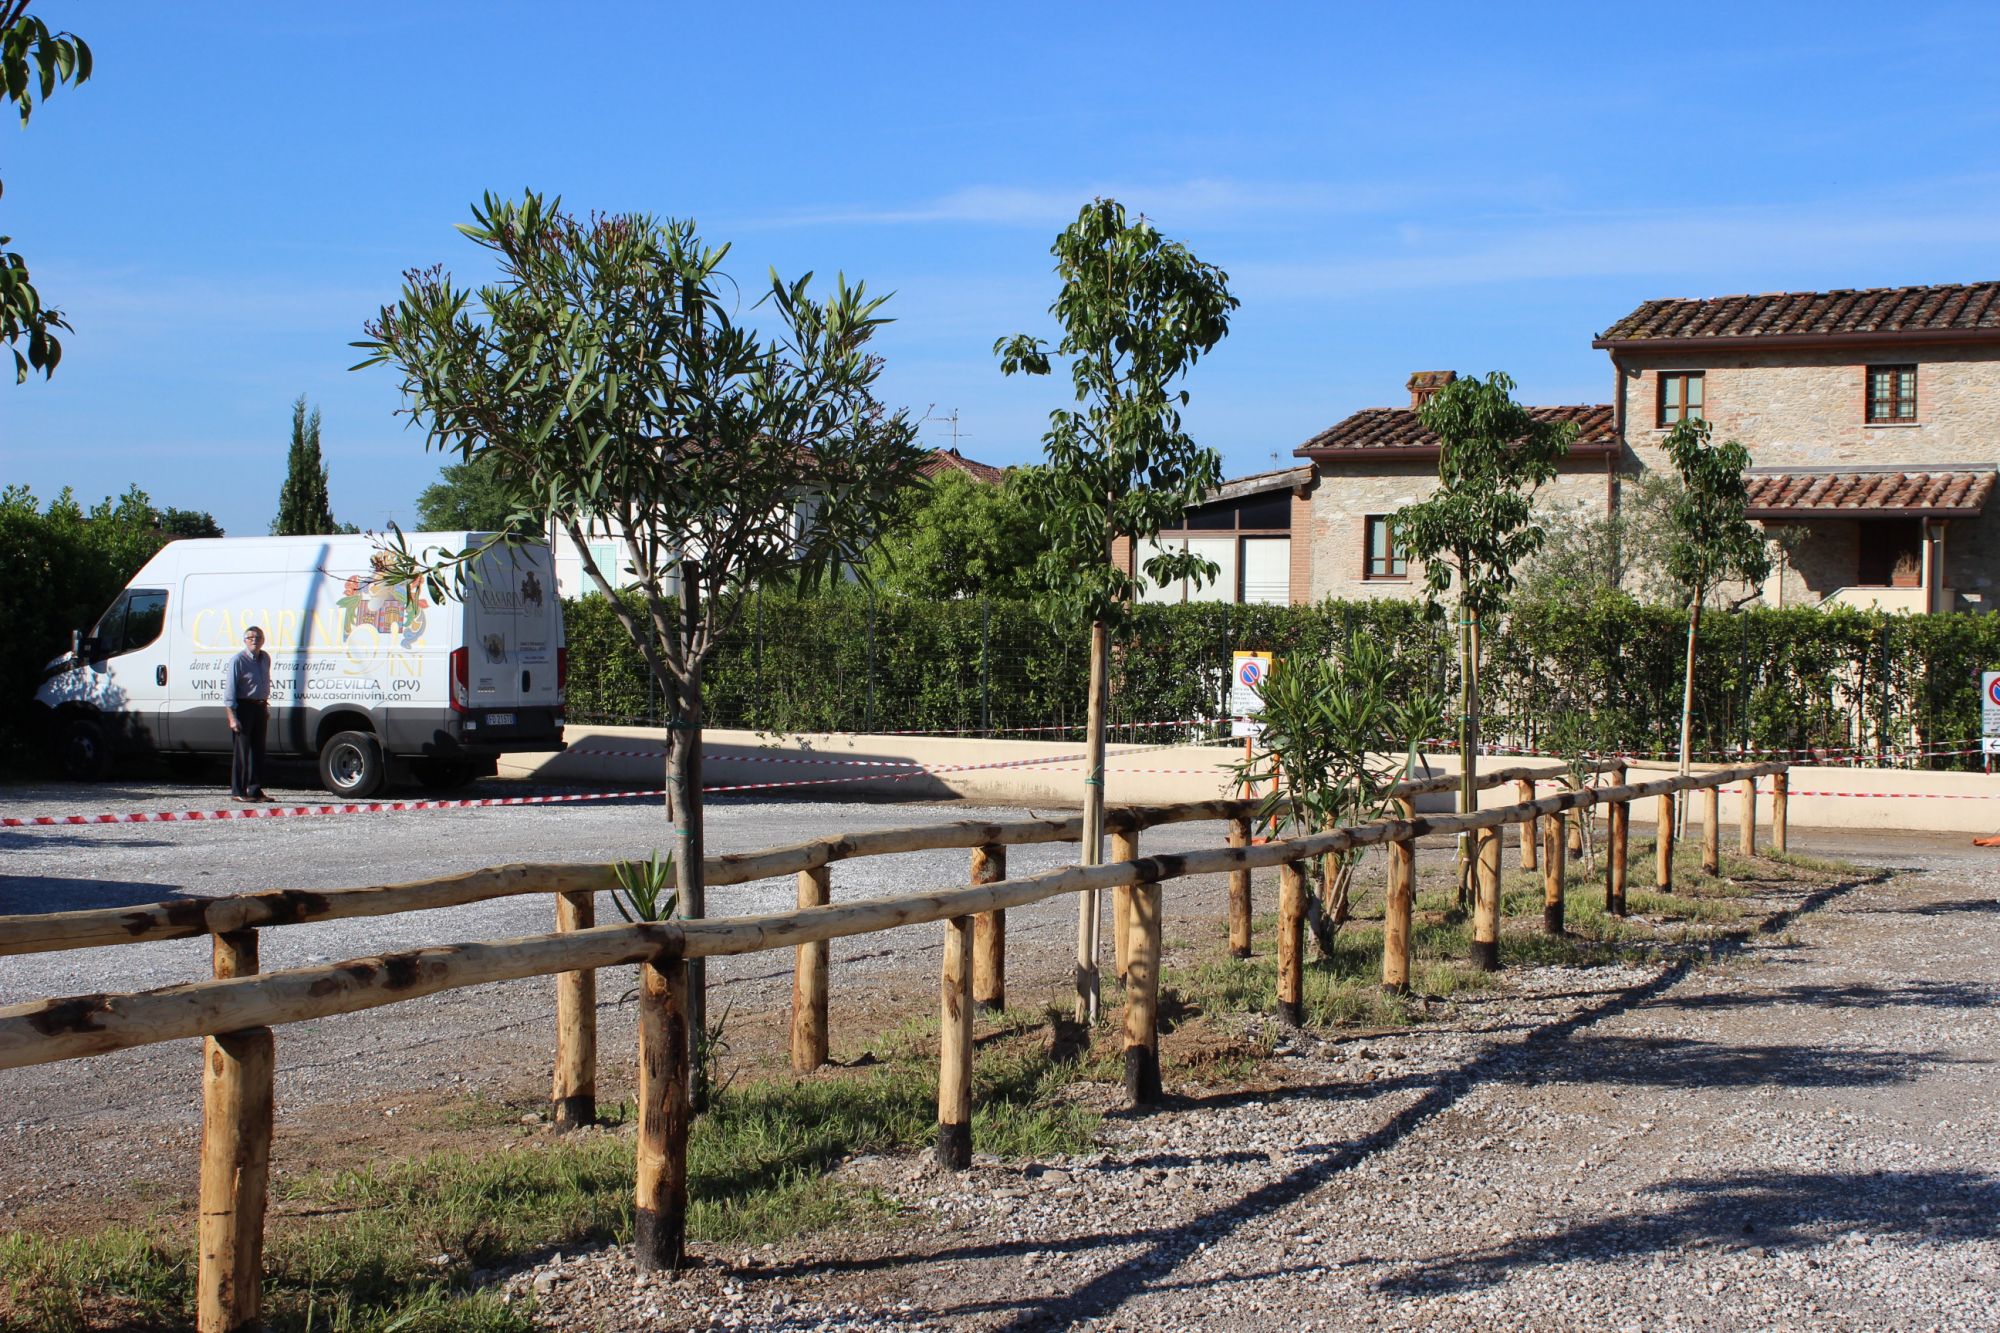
x=1394 y=557
x=1661 y=420
x=1890 y=415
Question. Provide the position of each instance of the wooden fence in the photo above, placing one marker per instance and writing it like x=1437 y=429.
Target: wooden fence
x=236 y=1010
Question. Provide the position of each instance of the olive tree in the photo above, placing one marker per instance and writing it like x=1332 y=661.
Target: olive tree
x=1712 y=542
x=1475 y=532
x=602 y=373
x=1137 y=311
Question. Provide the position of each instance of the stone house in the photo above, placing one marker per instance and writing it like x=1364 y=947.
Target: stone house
x=1872 y=419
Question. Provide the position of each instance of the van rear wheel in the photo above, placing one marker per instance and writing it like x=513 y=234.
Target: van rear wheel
x=351 y=765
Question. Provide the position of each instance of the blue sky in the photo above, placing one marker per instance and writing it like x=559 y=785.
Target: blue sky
x=1390 y=188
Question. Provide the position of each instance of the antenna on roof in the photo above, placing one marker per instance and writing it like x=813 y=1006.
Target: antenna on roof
x=953 y=420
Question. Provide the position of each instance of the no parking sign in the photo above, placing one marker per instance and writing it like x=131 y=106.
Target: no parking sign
x=1247 y=674
x=1989 y=699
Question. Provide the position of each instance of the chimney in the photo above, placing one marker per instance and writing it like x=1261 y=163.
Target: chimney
x=1424 y=383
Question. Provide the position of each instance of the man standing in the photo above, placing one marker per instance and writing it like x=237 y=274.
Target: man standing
x=246 y=700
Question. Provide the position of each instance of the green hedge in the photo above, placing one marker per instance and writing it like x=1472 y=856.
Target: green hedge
x=1597 y=675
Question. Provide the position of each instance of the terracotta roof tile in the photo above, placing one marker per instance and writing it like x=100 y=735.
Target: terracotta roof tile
x=1963 y=307
x=1399 y=428
x=1779 y=494
x=950 y=460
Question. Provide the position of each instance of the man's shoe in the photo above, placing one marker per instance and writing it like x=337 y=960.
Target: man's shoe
x=246 y=800
x=263 y=796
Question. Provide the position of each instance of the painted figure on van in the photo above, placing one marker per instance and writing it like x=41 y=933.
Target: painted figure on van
x=388 y=607
x=246 y=702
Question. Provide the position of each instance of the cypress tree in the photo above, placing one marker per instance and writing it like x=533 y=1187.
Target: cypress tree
x=303 y=507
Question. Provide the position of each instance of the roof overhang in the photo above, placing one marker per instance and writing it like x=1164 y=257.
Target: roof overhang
x=1797 y=341
x=1862 y=493
x=1241 y=488
x=1370 y=452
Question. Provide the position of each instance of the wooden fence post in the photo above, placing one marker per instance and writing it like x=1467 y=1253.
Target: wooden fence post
x=954 y=1140
x=1781 y=784
x=1557 y=855
x=1486 y=900
x=1124 y=847
x=659 y=1239
x=1142 y=999
x=809 y=979
x=989 y=934
x=1530 y=827
x=1663 y=867
x=1711 y=829
x=574 y=1094
x=1620 y=836
x=238 y=1103
x=1239 y=894
x=1398 y=907
x=1747 y=843
x=1291 y=942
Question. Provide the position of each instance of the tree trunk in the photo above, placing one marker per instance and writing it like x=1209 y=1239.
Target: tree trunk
x=1089 y=907
x=1468 y=740
x=1687 y=688
x=684 y=809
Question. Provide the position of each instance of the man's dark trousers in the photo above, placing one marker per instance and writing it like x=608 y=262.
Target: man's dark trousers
x=246 y=763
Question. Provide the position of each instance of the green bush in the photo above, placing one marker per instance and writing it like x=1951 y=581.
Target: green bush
x=1603 y=673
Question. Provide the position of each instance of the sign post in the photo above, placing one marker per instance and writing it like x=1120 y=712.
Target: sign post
x=1247 y=674
x=1989 y=713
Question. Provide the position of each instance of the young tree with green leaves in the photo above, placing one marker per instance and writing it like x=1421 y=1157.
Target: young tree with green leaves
x=1712 y=542
x=471 y=496
x=1476 y=531
x=1137 y=311
x=303 y=507
x=960 y=538
x=603 y=374
x=1338 y=731
x=34 y=62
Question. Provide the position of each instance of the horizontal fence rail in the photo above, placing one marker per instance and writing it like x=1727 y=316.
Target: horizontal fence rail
x=189 y=917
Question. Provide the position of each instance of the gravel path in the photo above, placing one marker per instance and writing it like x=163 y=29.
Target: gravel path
x=1803 y=1138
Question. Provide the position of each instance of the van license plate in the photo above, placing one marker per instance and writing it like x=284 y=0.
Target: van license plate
x=499 y=719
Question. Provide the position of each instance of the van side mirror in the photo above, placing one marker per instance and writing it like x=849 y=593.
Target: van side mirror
x=76 y=644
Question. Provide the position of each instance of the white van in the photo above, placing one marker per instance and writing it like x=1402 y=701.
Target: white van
x=366 y=675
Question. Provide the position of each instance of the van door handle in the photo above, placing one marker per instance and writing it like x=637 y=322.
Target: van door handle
x=159 y=675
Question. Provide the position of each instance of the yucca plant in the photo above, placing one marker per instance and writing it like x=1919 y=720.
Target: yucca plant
x=1338 y=733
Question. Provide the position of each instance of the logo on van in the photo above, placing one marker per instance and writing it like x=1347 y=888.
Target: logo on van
x=496 y=648
x=531 y=590
x=387 y=607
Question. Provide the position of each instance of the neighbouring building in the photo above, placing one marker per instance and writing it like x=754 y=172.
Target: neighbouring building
x=1872 y=419
x=1245 y=526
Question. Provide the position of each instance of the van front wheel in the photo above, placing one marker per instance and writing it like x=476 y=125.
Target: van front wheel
x=82 y=753
x=351 y=765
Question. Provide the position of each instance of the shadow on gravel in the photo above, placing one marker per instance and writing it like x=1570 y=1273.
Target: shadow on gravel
x=1953 y=908
x=1916 y=994
x=1768 y=1209
x=1677 y=1062
x=26 y=894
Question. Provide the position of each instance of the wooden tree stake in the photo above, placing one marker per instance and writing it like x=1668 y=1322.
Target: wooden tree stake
x=954 y=1141
x=809 y=979
x=1398 y=907
x=1291 y=943
x=1239 y=894
x=238 y=1104
x=989 y=934
x=1615 y=863
x=574 y=1092
x=1781 y=785
x=1711 y=830
x=1124 y=847
x=1663 y=868
x=1530 y=827
x=1142 y=999
x=1556 y=854
x=1747 y=842
x=1486 y=899
x=659 y=1238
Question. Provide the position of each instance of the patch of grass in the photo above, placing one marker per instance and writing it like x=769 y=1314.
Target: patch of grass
x=391 y=1245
